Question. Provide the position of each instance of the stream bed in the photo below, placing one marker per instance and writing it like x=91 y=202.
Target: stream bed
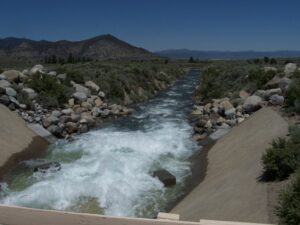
x=109 y=169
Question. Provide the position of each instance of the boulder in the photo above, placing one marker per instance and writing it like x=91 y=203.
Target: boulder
x=83 y=128
x=240 y=120
x=62 y=76
x=265 y=94
x=71 y=102
x=31 y=94
x=252 y=103
x=101 y=94
x=14 y=101
x=5 y=83
x=95 y=112
x=92 y=86
x=4 y=100
x=86 y=105
x=98 y=102
x=65 y=119
x=87 y=119
x=165 y=177
x=52 y=73
x=67 y=111
x=23 y=78
x=56 y=113
x=47 y=167
x=12 y=75
x=71 y=127
x=289 y=69
x=276 y=99
x=2 y=77
x=81 y=89
x=284 y=84
x=50 y=120
x=75 y=117
x=228 y=108
x=80 y=96
x=37 y=68
x=105 y=113
x=10 y=92
x=55 y=130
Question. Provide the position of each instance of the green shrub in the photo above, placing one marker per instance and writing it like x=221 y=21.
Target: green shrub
x=293 y=96
x=261 y=77
x=281 y=159
x=288 y=210
x=51 y=92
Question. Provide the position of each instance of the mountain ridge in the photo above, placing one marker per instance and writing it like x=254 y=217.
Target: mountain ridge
x=100 y=47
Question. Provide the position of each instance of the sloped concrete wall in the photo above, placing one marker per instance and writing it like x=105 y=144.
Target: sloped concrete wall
x=17 y=141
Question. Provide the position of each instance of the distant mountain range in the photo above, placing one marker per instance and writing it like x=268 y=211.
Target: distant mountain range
x=100 y=47
x=185 y=54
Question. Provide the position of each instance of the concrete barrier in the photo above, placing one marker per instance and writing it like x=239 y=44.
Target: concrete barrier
x=11 y=215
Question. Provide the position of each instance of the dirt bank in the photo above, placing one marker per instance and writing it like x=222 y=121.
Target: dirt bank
x=231 y=189
x=17 y=141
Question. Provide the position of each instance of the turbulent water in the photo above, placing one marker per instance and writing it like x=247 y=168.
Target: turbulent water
x=109 y=170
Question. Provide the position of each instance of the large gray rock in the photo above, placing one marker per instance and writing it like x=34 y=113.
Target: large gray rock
x=62 y=76
x=37 y=68
x=95 y=112
x=80 y=96
x=31 y=94
x=4 y=100
x=265 y=94
x=252 y=103
x=91 y=85
x=12 y=75
x=81 y=89
x=10 y=92
x=289 y=69
x=284 y=84
x=67 y=111
x=165 y=177
x=14 y=101
x=50 y=120
x=101 y=94
x=5 y=83
x=55 y=130
x=276 y=99
x=229 y=110
x=52 y=73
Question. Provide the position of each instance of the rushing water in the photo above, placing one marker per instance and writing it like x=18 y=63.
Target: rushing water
x=109 y=170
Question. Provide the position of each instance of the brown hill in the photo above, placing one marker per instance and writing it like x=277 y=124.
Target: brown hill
x=100 y=47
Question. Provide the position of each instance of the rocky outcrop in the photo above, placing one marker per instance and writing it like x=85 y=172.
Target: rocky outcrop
x=87 y=107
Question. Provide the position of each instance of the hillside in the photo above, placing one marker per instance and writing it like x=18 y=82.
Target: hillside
x=100 y=47
x=186 y=53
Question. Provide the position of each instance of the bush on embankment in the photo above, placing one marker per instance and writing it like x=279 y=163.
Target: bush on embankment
x=288 y=209
x=283 y=157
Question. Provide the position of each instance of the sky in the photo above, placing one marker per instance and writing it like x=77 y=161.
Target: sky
x=236 y=25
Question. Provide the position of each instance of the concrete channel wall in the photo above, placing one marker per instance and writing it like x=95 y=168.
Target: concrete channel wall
x=10 y=215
